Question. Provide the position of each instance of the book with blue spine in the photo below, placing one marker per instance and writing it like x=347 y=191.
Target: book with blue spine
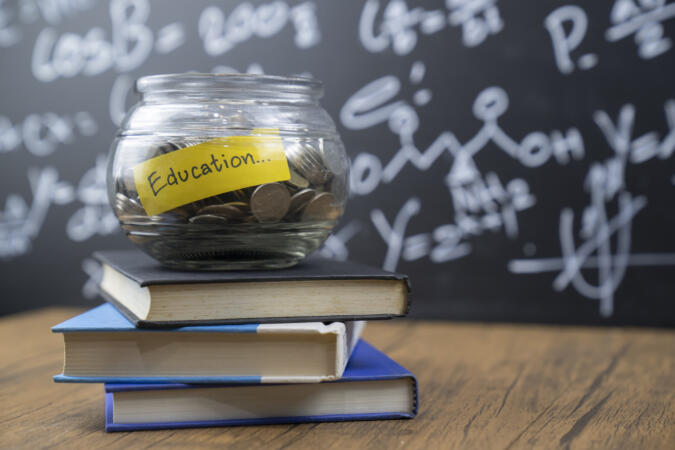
x=372 y=387
x=102 y=345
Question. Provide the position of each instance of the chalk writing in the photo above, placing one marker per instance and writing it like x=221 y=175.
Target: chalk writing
x=14 y=16
x=606 y=184
x=336 y=244
x=567 y=27
x=478 y=19
x=374 y=104
x=42 y=134
x=400 y=25
x=95 y=216
x=69 y=54
x=642 y=19
x=480 y=203
x=20 y=223
x=220 y=33
x=10 y=33
x=94 y=272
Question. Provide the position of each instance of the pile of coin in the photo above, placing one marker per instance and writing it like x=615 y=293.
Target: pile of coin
x=312 y=194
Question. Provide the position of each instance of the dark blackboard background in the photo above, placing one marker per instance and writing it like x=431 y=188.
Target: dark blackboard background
x=519 y=59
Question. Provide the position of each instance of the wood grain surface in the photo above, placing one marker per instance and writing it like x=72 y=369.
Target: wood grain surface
x=481 y=386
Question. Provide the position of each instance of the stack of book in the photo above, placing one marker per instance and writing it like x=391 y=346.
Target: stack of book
x=193 y=349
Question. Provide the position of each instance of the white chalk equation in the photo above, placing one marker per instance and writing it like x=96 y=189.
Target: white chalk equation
x=399 y=26
x=22 y=220
x=42 y=134
x=642 y=19
x=95 y=216
x=131 y=42
x=220 y=33
x=606 y=185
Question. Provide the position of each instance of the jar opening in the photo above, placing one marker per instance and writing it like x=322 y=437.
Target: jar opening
x=231 y=85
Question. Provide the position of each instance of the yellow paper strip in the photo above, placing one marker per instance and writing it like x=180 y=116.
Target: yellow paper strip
x=210 y=168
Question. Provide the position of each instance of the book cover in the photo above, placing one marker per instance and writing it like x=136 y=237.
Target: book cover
x=317 y=290
x=368 y=367
x=210 y=354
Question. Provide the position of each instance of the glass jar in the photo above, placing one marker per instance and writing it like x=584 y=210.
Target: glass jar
x=219 y=172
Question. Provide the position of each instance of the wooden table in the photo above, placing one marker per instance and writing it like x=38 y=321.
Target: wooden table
x=481 y=386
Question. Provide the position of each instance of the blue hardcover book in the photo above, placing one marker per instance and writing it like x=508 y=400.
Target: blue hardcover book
x=372 y=387
x=101 y=345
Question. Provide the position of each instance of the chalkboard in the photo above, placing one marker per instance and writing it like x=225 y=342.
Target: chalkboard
x=514 y=158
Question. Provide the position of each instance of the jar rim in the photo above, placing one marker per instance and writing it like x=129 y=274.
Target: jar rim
x=192 y=81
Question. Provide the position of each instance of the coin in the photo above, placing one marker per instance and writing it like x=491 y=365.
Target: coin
x=166 y=218
x=322 y=207
x=169 y=217
x=208 y=219
x=127 y=206
x=243 y=205
x=188 y=142
x=133 y=218
x=297 y=180
x=300 y=199
x=226 y=210
x=270 y=202
x=188 y=210
x=307 y=161
x=166 y=147
x=239 y=195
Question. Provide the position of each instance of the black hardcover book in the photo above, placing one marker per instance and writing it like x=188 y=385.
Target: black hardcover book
x=316 y=289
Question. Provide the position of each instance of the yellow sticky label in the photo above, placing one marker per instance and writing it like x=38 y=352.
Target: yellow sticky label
x=210 y=168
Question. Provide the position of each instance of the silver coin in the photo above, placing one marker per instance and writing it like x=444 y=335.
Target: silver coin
x=169 y=217
x=226 y=210
x=134 y=218
x=270 y=202
x=166 y=147
x=188 y=141
x=127 y=206
x=300 y=199
x=208 y=219
x=322 y=207
x=186 y=211
x=159 y=219
x=208 y=201
x=307 y=161
x=297 y=180
x=234 y=196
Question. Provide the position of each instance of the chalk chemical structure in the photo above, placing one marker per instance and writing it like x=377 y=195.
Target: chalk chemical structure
x=480 y=202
